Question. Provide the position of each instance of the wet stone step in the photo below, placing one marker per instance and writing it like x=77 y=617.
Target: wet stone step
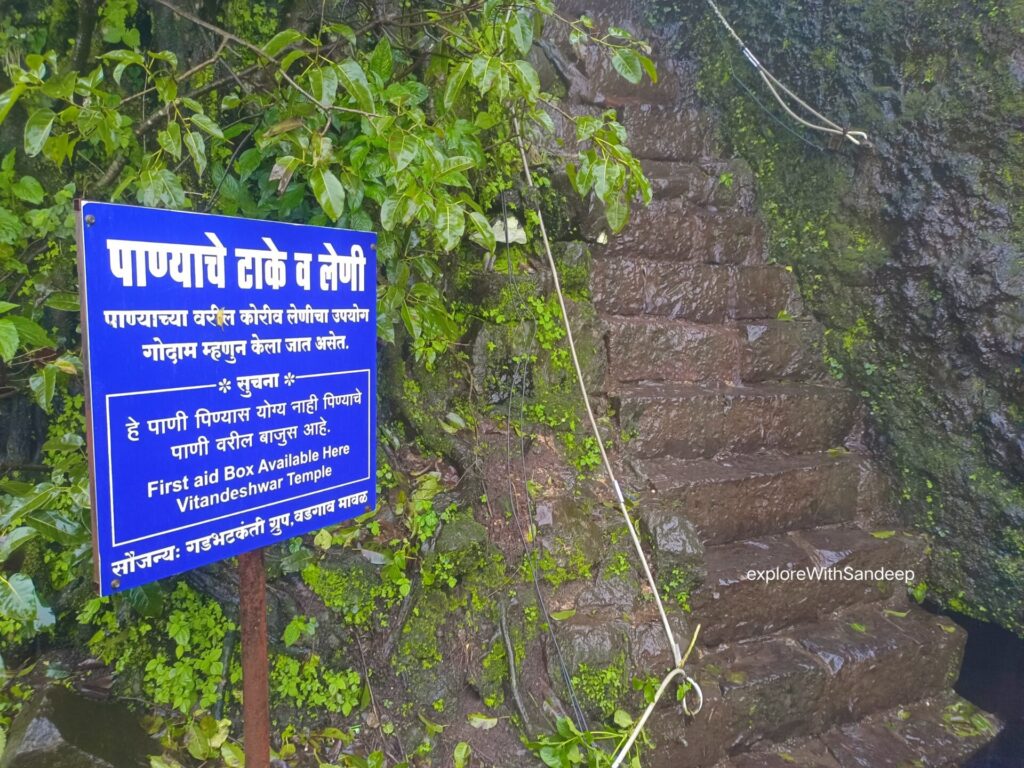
x=667 y=132
x=746 y=497
x=920 y=734
x=920 y=654
x=688 y=421
x=677 y=230
x=708 y=183
x=600 y=82
x=734 y=606
x=702 y=293
x=776 y=350
x=641 y=348
x=772 y=689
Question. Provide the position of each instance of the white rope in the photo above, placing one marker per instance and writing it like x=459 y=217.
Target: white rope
x=775 y=85
x=677 y=655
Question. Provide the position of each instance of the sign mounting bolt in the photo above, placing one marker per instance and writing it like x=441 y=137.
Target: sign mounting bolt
x=90 y=220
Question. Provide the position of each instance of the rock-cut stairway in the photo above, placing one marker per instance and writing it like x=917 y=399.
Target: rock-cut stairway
x=741 y=459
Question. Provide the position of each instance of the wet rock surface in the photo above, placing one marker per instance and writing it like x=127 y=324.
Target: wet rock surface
x=909 y=251
x=60 y=729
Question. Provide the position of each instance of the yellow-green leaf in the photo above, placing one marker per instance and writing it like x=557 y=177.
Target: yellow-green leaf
x=8 y=339
x=329 y=192
x=353 y=78
x=37 y=130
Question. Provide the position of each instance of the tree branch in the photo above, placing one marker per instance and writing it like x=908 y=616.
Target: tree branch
x=231 y=37
x=87 y=14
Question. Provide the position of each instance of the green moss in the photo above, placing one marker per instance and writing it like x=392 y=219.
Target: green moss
x=602 y=689
x=561 y=563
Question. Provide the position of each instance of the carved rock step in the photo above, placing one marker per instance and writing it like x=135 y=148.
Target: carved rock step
x=916 y=735
x=641 y=348
x=777 y=350
x=744 y=497
x=857 y=662
x=663 y=349
x=677 y=230
x=689 y=421
x=733 y=607
x=708 y=183
x=601 y=83
x=660 y=132
x=703 y=293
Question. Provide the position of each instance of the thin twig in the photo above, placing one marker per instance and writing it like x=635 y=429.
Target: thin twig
x=510 y=653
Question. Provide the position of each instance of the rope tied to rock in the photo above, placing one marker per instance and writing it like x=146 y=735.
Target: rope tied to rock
x=680 y=659
x=774 y=85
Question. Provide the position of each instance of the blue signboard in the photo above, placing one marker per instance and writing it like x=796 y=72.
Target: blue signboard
x=231 y=377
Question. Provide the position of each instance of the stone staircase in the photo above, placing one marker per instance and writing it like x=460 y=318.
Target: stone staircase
x=743 y=458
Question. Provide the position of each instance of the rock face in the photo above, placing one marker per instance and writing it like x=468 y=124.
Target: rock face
x=750 y=477
x=910 y=252
x=60 y=729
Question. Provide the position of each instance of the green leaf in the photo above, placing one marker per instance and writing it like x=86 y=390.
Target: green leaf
x=482 y=233
x=528 y=79
x=6 y=306
x=382 y=60
x=280 y=41
x=10 y=227
x=29 y=190
x=461 y=755
x=8 y=339
x=389 y=213
x=858 y=627
x=10 y=543
x=18 y=599
x=232 y=755
x=37 y=130
x=64 y=301
x=616 y=211
x=166 y=88
x=323 y=84
x=170 y=140
x=206 y=124
x=456 y=81
x=649 y=68
x=450 y=222
x=353 y=78
x=147 y=600
x=919 y=592
x=160 y=187
x=329 y=192
x=43 y=385
x=622 y=718
x=196 y=146
x=883 y=534
x=521 y=29
x=481 y=721
x=484 y=71
x=403 y=149
x=563 y=615
x=32 y=335
x=627 y=63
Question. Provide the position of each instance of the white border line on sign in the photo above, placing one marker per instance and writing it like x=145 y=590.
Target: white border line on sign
x=110 y=462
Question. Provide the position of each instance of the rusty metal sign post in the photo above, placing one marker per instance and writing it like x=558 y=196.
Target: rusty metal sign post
x=252 y=609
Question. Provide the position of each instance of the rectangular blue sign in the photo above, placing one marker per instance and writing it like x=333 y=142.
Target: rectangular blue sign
x=231 y=384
